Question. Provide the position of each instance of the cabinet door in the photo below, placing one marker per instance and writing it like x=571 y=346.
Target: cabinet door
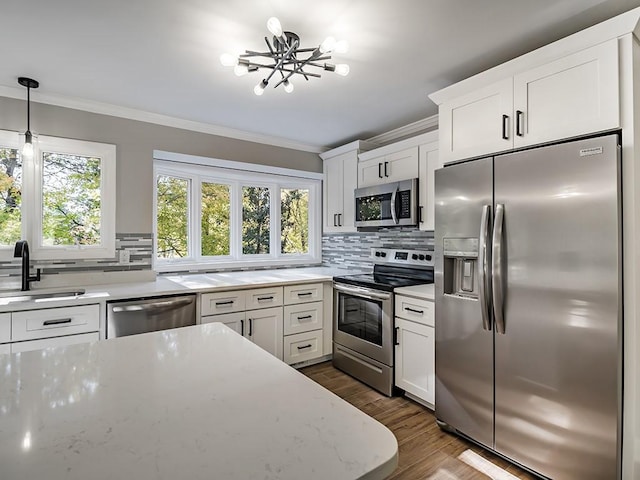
x=415 y=359
x=235 y=321
x=402 y=165
x=371 y=172
x=574 y=95
x=429 y=162
x=264 y=328
x=477 y=123
x=19 y=347
x=333 y=195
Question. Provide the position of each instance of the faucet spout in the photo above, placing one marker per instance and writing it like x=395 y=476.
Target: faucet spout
x=22 y=251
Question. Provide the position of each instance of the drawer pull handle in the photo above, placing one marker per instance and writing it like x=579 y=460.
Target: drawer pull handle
x=305 y=294
x=413 y=310
x=242 y=327
x=302 y=347
x=251 y=327
x=228 y=302
x=261 y=299
x=56 y=322
x=305 y=317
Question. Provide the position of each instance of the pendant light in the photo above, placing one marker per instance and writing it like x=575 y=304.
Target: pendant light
x=27 y=149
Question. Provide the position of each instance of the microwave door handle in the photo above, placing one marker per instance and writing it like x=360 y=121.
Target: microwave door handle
x=394 y=214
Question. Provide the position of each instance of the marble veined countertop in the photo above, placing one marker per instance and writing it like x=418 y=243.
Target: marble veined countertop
x=198 y=402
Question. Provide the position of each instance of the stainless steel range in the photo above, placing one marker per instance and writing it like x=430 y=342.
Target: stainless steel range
x=363 y=326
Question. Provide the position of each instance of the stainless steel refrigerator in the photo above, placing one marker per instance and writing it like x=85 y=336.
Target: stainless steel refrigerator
x=528 y=306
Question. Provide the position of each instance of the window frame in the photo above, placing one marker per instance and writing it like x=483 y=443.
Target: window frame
x=31 y=210
x=236 y=177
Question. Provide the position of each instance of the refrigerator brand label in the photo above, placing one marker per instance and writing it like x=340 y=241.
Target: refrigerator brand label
x=585 y=152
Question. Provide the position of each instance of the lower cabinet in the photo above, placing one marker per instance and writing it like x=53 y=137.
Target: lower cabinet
x=302 y=347
x=415 y=349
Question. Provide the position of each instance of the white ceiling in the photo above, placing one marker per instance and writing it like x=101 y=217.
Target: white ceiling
x=162 y=56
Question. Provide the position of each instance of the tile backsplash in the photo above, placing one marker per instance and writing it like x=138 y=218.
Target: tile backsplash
x=353 y=250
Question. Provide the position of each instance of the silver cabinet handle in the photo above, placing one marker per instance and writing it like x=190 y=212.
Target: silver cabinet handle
x=56 y=322
x=496 y=270
x=484 y=287
x=394 y=215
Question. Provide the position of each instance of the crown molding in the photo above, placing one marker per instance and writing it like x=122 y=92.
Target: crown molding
x=421 y=126
x=155 y=118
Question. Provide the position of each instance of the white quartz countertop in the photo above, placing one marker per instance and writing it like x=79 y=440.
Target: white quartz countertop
x=198 y=402
x=180 y=284
x=427 y=292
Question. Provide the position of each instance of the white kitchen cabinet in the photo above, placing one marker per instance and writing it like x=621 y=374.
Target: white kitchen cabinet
x=264 y=328
x=305 y=293
x=303 y=347
x=263 y=298
x=415 y=347
x=235 y=321
x=390 y=167
x=429 y=162
x=54 y=322
x=64 y=341
x=340 y=168
x=222 y=302
x=303 y=318
x=5 y=327
x=574 y=95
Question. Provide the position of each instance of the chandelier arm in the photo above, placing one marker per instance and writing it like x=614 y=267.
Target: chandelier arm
x=297 y=69
x=279 y=65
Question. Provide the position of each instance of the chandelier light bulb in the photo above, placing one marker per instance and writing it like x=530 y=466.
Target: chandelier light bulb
x=259 y=88
x=240 y=70
x=274 y=26
x=288 y=86
x=27 y=149
x=328 y=45
x=342 y=69
x=342 y=46
x=228 y=60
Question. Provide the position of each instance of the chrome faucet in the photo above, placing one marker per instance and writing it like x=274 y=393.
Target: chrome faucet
x=22 y=250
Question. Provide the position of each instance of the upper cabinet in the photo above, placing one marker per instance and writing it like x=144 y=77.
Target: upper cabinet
x=428 y=162
x=574 y=95
x=375 y=168
x=340 y=180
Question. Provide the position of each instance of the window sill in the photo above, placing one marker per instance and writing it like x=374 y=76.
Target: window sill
x=198 y=267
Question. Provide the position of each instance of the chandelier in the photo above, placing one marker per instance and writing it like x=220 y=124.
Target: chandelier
x=286 y=58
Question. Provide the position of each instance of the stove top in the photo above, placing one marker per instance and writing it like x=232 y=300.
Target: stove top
x=396 y=268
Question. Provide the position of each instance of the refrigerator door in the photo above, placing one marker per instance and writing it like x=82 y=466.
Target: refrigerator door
x=464 y=339
x=556 y=364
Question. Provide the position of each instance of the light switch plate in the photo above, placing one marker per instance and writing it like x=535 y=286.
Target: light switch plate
x=124 y=256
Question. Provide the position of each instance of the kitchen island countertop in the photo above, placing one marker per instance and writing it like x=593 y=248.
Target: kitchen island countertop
x=193 y=403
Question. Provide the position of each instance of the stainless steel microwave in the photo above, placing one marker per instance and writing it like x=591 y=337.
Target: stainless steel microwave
x=389 y=205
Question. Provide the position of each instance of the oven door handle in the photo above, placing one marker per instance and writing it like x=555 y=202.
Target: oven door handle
x=362 y=292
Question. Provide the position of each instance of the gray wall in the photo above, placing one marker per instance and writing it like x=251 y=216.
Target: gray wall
x=135 y=142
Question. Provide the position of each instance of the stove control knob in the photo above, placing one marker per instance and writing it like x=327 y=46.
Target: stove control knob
x=414 y=256
x=383 y=254
x=378 y=254
x=428 y=257
x=421 y=257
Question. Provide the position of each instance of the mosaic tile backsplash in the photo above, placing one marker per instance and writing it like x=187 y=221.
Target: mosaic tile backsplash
x=353 y=250
x=139 y=245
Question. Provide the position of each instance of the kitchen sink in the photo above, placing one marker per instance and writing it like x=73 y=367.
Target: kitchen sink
x=29 y=296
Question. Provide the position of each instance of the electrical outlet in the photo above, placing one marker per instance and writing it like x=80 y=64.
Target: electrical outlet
x=125 y=256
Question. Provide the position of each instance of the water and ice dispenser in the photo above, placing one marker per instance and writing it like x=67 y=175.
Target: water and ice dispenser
x=460 y=272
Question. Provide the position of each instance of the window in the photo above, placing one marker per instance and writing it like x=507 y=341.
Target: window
x=62 y=201
x=210 y=216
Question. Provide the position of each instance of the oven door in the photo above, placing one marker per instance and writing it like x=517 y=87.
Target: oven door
x=363 y=321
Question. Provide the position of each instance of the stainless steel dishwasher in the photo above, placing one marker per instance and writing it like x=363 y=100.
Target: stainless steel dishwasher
x=130 y=317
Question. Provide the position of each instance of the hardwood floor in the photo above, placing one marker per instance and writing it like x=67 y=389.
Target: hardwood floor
x=425 y=451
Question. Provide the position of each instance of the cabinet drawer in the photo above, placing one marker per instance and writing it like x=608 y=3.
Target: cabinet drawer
x=54 y=322
x=19 y=347
x=311 y=292
x=263 y=298
x=222 y=302
x=5 y=327
x=303 y=346
x=415 y=309
x=302 y=318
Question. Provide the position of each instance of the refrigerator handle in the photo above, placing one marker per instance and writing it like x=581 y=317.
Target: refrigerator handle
x=394 y=214
x=497 y=286
x=483 y=262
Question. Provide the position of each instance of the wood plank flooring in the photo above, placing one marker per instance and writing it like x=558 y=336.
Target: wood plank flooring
x=425 y=451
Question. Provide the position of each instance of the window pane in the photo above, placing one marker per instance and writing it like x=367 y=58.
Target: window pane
x=10 y=196
x=255 y=220
x=70 y=199
x=294 y=227
x=216 y=219
x=172 y=217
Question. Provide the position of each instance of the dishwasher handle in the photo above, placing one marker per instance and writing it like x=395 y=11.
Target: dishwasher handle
x=153 y=306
